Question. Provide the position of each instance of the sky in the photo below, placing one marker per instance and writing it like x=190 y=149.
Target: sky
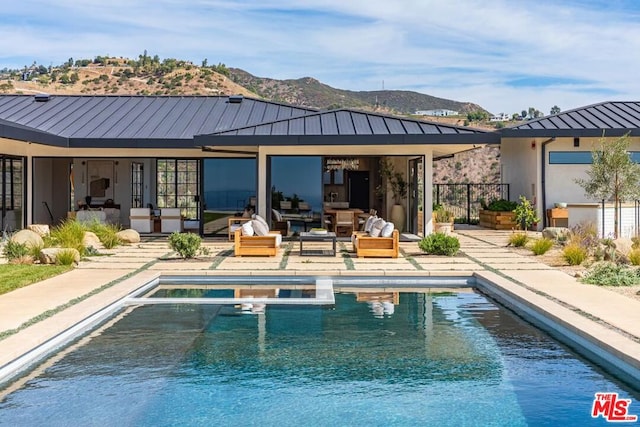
x=505 y=56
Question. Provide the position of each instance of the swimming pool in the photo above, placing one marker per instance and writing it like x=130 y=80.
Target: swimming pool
x=374 y=358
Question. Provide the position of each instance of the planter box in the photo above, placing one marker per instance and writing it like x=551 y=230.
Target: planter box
x=497 y=220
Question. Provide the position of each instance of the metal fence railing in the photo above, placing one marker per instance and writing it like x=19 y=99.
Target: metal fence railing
x=464 y=200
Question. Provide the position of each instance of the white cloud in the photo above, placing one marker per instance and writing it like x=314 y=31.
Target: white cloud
x=569 y=54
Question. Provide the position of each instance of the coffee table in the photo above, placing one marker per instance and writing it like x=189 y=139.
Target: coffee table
x=330 y=236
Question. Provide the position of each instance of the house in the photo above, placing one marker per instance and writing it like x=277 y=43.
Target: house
x=542 y=158
x=442 y=112
x=502 y=117
x=209 y=156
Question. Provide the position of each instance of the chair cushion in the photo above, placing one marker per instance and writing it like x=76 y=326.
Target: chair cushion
x=387 y=230
x=247 y=229
x=276 y=215
x=259 y=228
x=376 y=227
x=369 y=223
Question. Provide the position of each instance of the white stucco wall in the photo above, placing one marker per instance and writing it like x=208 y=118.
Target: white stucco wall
x=519 y=167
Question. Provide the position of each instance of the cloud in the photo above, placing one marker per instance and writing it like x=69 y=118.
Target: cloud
x=499 y=54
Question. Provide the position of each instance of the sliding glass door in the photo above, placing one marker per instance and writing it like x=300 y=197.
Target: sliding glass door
x=11 y=193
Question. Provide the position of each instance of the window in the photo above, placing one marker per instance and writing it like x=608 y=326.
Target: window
x=11 y=193
x=178 y=185
x=136 y=185
x=570 y=157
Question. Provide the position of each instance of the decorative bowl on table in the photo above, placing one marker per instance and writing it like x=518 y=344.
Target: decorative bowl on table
x=560 y=205
x=318 y=231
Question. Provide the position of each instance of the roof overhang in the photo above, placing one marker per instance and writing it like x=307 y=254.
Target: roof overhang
x=559 y=133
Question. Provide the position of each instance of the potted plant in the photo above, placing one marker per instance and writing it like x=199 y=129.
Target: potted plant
x=525 y=214
x=396 y=184
x=498 y=214
x=443 y=220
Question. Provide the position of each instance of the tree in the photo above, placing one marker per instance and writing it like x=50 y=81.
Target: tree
x=555 y=109
x=613 y=175
x=524 y=114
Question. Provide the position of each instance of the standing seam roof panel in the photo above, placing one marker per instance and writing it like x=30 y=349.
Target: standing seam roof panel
x=598 y=123
x=284 y=113
x=329 y=124
x=296 y=126
x=378 y=125
x=191 y=119
x=614 y=119
x=257 y=113
x=263 y=130
x=345 y=123
x=18 y=111
x=7 y=103
x=244 y=112
x=69 y=113
x=142 y=119
x=584 y=123
x=159 y=117
x=82 y=127
x=129 y=120
x=412 y=128
x=210 y=124
x=361 y=124
x=107 y=111
x=394 y=125
x=627 y=114
x=176 y=110
x=41 y=112
x=280 y=128
x=312 y=125
x=104 y=128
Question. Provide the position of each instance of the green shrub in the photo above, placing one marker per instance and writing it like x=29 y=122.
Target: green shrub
x=15 y=250
x=541 y=246
x=574 y=254
x=634 y=257
x=518 y=239
x=442 y=215
x=502 y=205
x=66 y=257
x=439 y=244
x=106 y=233
x=612 y=274
x=187 y=245
x=69 y=234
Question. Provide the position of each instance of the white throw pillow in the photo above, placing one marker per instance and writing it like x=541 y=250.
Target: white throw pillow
x=387 y=230
x=369 y=223
x=377 y=227
x=247 y=229
x=259 y=228
x=262 y=220
x=276 y=215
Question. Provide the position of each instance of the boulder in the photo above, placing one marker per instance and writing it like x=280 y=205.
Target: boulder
x=91 y=240
x=50 y=255
x=623 y=246
x=41 y=229
x=29 y=238
x=556 y=233
x=129 y=236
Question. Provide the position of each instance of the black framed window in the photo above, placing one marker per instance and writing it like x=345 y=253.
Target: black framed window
x=137 y=185
x=11 y=192
x=178 y=185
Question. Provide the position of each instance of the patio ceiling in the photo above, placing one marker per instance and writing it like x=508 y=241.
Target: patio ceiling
x=612 y=118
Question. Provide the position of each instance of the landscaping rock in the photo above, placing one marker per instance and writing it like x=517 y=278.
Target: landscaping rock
x=129 y=236
x=556 y=233
x=29 y=238
x=49 y=255
x=623 y=246
x=41 y=229
x=91 y=240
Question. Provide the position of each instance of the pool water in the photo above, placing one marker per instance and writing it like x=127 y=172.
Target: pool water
x=450 y=359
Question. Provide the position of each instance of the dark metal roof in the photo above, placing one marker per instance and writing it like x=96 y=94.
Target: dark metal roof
x=131 y=121
x=346 y=126
x=612 y=118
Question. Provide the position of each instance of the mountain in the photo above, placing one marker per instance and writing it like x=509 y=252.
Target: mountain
x=150 y=76
x=310 y=92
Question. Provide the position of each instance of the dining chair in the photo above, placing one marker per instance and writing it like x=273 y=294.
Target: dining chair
x=344 y=223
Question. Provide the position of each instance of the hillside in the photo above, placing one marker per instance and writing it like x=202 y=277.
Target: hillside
x=309 y=92
x=150 y=76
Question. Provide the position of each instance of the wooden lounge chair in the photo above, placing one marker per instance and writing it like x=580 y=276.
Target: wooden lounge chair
x=367 y=246
x=257 y=245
